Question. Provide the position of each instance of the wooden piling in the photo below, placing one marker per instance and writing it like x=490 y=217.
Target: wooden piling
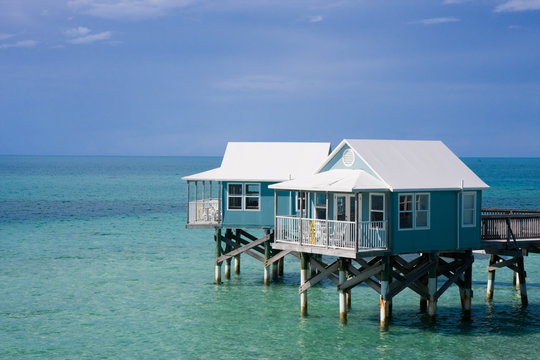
x=432 y=286
x=237 y=264
x=465 y=291
x=423 y=299
x=386 y=301
x=267 y=254
x=281 y=264
x=304 y=271
x=491 y=277
x=217 y=238
x=521 y=277
x=342 y=293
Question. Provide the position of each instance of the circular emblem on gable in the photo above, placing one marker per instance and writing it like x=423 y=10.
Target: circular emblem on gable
x=348 y=157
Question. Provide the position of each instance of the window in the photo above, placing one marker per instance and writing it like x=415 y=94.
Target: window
x=320 y=206
x=243 y=197
x=376 y=207
x=253 y=192
x=468 y=218
x=414 y=215
x=300 y=201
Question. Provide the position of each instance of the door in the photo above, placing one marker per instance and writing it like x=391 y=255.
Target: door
x=345 y=209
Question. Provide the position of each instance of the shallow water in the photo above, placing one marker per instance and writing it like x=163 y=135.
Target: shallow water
x=95 y=262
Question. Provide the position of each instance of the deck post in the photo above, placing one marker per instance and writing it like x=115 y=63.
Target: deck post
x=217 y=238
x=267 y=255
x=187 y=210
x=465 y=291
x=342 y=293
x=386 y=302
x=491 y=277
x=432 y=285
x=304 y=268
x=521 y=277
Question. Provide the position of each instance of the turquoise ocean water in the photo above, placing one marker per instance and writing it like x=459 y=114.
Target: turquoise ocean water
x=95 y=262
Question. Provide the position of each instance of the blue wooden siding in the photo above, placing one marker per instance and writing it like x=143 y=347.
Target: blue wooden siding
x=445 y=220
x=337 y=163
x=262 y=218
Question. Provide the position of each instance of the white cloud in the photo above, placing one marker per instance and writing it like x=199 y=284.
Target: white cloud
x=315 y=18
x=127 y=9
x=78 y=31
x=518 y=5
x=5 y=36
x=259 y=82
x=88 y=39
x=20 y=44
x=435 y=21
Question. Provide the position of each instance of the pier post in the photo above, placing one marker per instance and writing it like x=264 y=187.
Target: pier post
x=423 y=299
x=217 y=238
x=266 y=257
x=386 y=302
x=304 y=268
x=521 y=276
x=515 y=279
x=466 y=290
x=342 y=293
x=237 y=257
x=275 y=270
x=432 y=285
x=228 y=235
x=281 y=263
x=491 y=277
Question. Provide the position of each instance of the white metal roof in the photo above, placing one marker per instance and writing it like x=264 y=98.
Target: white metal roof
x=337 y=180
x=266 y=161
x=415 y=165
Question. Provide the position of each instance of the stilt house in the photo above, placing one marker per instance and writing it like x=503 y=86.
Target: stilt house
x=375 y=197
x=236 y=195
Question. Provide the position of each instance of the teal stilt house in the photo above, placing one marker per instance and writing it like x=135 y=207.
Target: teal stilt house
x=384 y=196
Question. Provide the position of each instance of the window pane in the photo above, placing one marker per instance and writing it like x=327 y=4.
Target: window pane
x=405 y=220
x=376 y=216
x=252 y=189
x=321 y=213
x=340 y=211
x=405 y=203
x=252 y=203
x=235 y=189
x=421 y=219
x=235 y=203
x=352 y=209
x=321 y=199
x=468 y=217
x=468 y=201
x=422 y=202
x=377 y=202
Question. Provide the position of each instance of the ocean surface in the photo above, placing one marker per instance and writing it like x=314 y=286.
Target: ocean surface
x=95 y=262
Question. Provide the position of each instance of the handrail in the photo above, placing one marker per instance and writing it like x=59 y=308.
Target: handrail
x=204 y=211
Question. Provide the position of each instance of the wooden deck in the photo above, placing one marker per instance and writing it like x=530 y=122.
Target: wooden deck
x=510 y=229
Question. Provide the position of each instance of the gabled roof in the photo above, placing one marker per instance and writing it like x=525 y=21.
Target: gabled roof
x=414 y=165
x=337 y=180
x=266 y=161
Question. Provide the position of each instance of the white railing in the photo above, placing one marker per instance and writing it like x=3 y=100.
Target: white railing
x=204 y=211
x=331 y=234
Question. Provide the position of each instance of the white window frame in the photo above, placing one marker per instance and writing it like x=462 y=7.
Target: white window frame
x=297 y=198
x=414 y=211
x=384 y=205
x=463 y=194
x=241 y=196
x=244 y=192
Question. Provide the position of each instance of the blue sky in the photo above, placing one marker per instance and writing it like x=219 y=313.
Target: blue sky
x=183 y=77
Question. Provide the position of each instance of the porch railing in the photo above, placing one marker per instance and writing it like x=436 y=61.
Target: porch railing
x=204 y=211
x=510 y=224
x=332 y=233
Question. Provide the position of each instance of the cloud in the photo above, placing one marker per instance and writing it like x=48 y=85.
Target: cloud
x=78 y=31
x=435 y=21
x=88 y=39
x=20 y=44
x=259 y=82
x=127 y=9
x=315 y=18
x=518 y=5
x=5 y=36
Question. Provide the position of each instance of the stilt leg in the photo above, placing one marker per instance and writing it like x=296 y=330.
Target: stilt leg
x=228 y=261
x=237 y=264
x=386 y=302
x=491 y=278
x=432 y=286
x=281 y=262
x=304 y=268
x=515 y=279
x=266 y=257
x=423 y=300
x=342 y=293
x=217 y=238
x=522 y=285
x=275 y=271
x=466 y=291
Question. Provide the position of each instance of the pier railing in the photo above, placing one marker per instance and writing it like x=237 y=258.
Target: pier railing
x=332 y=233
x=204 y=211
x=510 y=224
